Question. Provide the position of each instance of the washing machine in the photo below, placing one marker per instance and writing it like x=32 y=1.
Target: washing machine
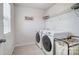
x=38 y=38
x=48 y=42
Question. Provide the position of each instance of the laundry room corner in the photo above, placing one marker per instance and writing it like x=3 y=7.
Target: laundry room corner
x=26 y=29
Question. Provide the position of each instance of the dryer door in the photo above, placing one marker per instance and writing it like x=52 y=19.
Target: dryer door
x=37 y=37
x=47 y=43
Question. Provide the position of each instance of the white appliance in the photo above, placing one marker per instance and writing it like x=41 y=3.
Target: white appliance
x=48 y=41
x=38 y=38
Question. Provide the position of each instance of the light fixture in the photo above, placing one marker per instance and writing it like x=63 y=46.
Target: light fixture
x=29 y=18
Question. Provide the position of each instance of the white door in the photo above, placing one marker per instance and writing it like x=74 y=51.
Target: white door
x=2 y=40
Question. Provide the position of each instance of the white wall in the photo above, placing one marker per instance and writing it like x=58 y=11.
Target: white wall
x=68 y=22
x=9 y=45
x=1 y=27
x=26 y=29
x=58 y=8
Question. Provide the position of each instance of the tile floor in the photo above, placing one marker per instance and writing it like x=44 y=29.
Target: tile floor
x=27 y=50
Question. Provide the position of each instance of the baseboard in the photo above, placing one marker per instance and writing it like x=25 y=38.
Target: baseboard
x=24 y=44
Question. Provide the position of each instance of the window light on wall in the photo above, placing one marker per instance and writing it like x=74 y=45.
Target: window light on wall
x=7 y=17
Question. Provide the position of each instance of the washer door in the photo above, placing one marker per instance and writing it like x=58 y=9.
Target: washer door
x=37 y=37
x=47 y=43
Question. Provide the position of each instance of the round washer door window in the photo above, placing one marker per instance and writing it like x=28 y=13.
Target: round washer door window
x=37 y=37
x=47 y=43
